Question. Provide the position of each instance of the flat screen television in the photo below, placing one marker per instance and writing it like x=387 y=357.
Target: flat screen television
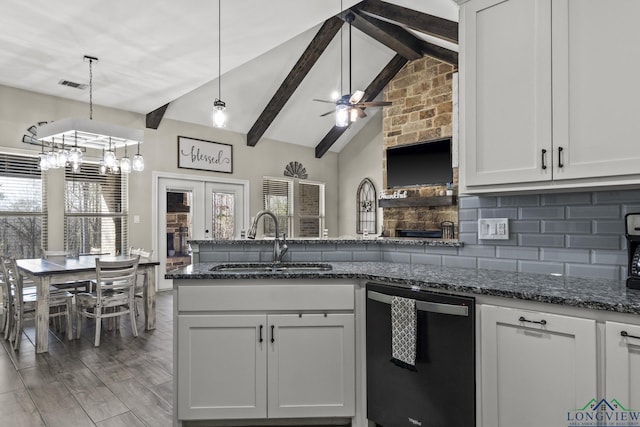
x=425 y=163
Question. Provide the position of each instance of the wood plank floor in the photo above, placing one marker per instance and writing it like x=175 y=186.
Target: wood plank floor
x=126 y=382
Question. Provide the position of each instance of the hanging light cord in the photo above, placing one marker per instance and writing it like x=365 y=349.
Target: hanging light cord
x=90 y=89
x=341 y=66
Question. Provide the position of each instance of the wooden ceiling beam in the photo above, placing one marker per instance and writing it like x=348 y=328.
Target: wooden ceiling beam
x=154 y=118
x=370 y=93
x=393 y=36
x=440 y=53
x=425 y=23
x=299 y=71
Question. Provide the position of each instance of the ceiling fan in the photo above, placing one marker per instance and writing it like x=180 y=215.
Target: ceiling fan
x=349 y=107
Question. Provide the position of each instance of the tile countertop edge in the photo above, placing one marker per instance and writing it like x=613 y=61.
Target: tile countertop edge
x=594 y=294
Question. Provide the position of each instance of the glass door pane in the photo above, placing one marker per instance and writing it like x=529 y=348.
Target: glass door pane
x=225 y=210
x=179 y=229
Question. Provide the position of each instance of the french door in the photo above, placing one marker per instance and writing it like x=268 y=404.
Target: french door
x=196 y=209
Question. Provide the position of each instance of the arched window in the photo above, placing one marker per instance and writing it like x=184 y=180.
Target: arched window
x=366 y=205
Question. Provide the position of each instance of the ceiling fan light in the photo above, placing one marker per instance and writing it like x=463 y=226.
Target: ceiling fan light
x=342 y=115
x=353 y=114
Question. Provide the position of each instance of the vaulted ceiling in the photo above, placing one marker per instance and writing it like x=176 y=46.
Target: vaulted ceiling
x=160 y=58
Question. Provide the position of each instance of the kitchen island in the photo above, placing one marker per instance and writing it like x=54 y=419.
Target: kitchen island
x=580 y=321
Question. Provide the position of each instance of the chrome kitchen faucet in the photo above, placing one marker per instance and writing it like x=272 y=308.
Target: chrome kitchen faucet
x=279 y=245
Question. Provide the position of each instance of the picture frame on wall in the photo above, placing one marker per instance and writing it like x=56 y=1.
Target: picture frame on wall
x=205 y=155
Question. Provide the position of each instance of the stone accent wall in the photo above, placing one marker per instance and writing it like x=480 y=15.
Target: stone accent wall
x=422 y=111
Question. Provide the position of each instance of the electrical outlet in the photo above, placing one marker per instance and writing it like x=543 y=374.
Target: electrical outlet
x=493 y=229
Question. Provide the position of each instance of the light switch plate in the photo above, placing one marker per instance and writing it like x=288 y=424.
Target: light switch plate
x=493 y=229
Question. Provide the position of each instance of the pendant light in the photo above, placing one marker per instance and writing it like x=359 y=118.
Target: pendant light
x=219 y=116
x=125 y=162
x=138 y=161
x=87 y=133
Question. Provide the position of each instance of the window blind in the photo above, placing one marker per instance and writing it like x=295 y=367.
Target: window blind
x=23 y=212
x=278 y=198
x=298 y=204
x=96 y=211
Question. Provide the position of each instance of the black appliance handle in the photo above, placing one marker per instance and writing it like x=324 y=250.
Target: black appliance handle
x=432 y=307
x=626 y=335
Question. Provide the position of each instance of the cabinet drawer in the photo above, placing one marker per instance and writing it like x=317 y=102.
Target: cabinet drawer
x=265 y=297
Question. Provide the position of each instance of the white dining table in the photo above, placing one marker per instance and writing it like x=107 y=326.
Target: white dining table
x=44 y=272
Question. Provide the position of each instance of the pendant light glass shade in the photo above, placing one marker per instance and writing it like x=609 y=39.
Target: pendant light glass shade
x=342 y=115
x=219 y=116
x=138 y=161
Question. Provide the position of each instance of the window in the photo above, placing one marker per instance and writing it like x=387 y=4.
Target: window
x=96 y=209
x=23 y=213
x=366 y=214
x=298 y=204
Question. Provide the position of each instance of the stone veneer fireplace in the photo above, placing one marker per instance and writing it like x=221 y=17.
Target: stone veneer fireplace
x=422 y=111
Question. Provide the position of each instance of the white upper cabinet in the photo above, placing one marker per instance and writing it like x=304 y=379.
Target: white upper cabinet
x=507 y=91
x=549 y=94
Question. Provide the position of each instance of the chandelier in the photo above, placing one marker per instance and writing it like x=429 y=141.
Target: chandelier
x=64 y=141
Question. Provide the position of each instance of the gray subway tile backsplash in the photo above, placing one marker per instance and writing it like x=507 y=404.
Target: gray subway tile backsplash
x=553 y=226
x=602 y=226
x=593 y=212
x=551 y=212
x=541 y=240
x=578 y=234
x=564 y=199
x=593 y=242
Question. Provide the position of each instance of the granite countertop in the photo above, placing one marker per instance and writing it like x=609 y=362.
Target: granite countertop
x=409 y=241
x=569 y=291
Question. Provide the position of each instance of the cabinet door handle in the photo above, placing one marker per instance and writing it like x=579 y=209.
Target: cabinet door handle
x=544 y=157
x=261 y=334
x=560 y=150
x=626 y=335
x=273 y=338
x=539 y=322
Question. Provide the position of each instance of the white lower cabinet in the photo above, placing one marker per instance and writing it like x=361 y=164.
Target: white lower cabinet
x=261 y=364
x=536 y=367
x=622 y=366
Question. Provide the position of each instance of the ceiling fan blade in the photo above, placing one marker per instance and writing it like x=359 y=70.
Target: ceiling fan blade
x=361 y=113
x=327 y=113
x=324 y=100
x=356 y=97
x=374 y=104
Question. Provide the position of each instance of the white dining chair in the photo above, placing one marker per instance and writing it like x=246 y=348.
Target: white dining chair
x=24 y=304
x=113 y=295
x=141 y=285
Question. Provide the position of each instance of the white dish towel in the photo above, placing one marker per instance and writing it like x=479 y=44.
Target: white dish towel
x=403 y=331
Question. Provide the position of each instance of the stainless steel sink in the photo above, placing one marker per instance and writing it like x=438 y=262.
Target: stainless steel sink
x=261 y=267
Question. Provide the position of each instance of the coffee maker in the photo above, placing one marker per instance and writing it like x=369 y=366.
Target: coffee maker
x=632 y=233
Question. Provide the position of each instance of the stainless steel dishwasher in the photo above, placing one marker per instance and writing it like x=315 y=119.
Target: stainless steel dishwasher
x=439 y=390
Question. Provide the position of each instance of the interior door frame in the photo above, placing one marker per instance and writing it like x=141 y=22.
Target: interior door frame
x=198 y=231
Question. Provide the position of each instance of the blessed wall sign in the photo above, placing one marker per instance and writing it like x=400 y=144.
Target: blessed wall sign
x=204 y=155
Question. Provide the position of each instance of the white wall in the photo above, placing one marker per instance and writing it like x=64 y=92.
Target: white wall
x=361 y=158
x=20 y=109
